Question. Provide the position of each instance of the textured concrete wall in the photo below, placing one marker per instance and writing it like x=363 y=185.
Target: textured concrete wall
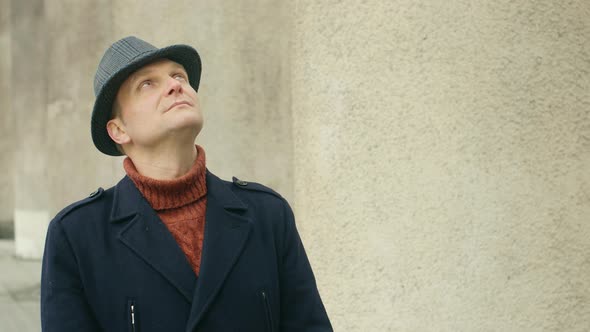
x=244 y=90
x=6 y=122
x=29 y=84
x=442 y=175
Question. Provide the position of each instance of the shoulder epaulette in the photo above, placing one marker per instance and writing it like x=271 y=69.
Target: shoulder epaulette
x=254 y=187
x=92 y=197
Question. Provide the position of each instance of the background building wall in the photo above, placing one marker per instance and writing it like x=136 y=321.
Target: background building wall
x=29 y=100
x=76 y=32
x=442 y=162
x=6 y=125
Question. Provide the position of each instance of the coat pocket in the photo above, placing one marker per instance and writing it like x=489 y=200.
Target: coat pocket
x=132 y=316
x=267 y=310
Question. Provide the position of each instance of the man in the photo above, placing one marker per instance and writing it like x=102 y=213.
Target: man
x=171 y=247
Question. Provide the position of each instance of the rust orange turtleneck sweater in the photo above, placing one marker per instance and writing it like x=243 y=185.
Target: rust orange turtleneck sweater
x=180 y=203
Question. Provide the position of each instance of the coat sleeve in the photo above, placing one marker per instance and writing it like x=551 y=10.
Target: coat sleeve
x=63 y=303
x=301 y=306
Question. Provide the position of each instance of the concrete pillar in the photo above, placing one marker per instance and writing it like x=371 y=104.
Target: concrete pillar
x=58 y=164
x=74 y=48
x=28 y=41
x=6 y=126
x=244 y=89
x=442 y=159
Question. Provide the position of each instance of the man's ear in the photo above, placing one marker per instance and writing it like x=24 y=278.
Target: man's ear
x=117 y=132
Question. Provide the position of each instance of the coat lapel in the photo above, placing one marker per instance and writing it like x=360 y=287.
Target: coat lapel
x=226 y=232
x=149 y=238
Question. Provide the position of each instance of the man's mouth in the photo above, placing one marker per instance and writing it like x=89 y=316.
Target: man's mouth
x=178 y=103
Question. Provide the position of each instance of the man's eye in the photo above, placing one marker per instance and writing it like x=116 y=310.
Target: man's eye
x=180 y=77
x=144 y=84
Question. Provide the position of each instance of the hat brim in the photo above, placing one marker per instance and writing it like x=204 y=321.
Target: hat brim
x=102 y=111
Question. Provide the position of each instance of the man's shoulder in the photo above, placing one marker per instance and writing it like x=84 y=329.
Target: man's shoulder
x=89 y=205
x=254 y=187
x=250 y=192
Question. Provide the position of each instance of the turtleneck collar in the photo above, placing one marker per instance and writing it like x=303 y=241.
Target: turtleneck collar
x=169 y=194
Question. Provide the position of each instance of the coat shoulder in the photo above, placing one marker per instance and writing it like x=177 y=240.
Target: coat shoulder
x=93 y=197
x=254 y=187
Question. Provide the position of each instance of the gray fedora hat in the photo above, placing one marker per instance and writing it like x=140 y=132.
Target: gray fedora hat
x=120 y=60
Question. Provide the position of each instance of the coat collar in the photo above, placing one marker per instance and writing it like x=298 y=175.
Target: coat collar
x=226 y=232
x=127 y=197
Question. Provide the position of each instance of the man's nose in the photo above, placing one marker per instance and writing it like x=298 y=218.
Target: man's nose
x=173 y=86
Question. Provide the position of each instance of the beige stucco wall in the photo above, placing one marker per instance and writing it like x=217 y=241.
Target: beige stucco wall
x=442 y=163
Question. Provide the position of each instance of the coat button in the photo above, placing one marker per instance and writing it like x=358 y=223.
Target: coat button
x=94 y=193
x=241 y=183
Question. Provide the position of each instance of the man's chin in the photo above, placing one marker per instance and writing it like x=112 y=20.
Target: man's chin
x=186 y=128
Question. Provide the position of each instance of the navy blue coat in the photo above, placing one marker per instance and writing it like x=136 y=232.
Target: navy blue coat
x=110 y=264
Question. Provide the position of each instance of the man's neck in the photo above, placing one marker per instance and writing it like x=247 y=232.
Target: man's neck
x=164 y=163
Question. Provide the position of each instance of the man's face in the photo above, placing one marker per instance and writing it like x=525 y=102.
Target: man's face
x=156 y=103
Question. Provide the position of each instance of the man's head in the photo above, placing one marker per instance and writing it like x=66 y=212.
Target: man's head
x=145 y=95
x=153 y=105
